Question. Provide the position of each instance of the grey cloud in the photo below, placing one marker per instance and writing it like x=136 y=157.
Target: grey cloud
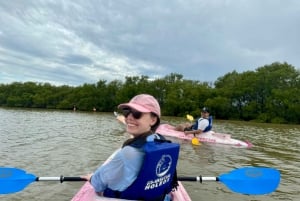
x=77 y=59
x=107 y=39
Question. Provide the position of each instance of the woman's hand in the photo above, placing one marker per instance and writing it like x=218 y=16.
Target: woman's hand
x=87 y=177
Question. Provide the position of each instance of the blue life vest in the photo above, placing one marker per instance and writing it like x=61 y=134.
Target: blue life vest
x=156 y=175
x=208 y=128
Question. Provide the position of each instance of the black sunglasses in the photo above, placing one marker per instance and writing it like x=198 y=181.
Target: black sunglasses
x=136 y=114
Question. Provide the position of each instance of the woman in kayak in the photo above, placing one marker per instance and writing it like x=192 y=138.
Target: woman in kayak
x=201 y=125
x=128 y=174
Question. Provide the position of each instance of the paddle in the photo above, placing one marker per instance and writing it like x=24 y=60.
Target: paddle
x=13 y=180
x=246 y=180
x=195 y=140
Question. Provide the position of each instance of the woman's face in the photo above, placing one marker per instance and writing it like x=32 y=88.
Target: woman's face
x=139 y=124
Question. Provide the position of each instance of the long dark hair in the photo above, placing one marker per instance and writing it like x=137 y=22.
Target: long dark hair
x=155 y=126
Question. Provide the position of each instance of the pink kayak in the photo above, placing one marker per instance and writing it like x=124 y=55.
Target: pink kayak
x=210 y=136
x=87 y=193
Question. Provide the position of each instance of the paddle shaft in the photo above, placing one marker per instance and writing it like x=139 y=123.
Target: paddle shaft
x=61 y=179
x=198 y=179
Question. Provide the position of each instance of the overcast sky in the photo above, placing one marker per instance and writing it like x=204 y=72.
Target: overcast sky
x=74 y=42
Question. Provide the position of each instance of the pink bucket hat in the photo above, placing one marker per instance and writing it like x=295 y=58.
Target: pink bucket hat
x=143 y=103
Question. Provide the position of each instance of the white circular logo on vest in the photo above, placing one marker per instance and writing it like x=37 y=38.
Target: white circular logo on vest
x=163 y=165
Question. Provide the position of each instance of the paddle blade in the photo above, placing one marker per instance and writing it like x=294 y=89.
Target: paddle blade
x=13 y=180
x=190 y=117
x=252 y=180
x=195 y=141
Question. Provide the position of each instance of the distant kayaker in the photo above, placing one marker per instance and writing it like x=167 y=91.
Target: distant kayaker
x=144 y=168
x=201 y=125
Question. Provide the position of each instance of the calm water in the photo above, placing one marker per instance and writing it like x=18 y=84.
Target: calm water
x=54 y=143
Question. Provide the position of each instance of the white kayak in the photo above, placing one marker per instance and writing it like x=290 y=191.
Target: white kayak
x=210 y=136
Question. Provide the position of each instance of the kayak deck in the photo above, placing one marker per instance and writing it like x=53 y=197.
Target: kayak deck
x=210 y=136
x=87 y=193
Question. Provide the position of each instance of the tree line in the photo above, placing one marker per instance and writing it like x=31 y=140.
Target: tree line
x=269 y=94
